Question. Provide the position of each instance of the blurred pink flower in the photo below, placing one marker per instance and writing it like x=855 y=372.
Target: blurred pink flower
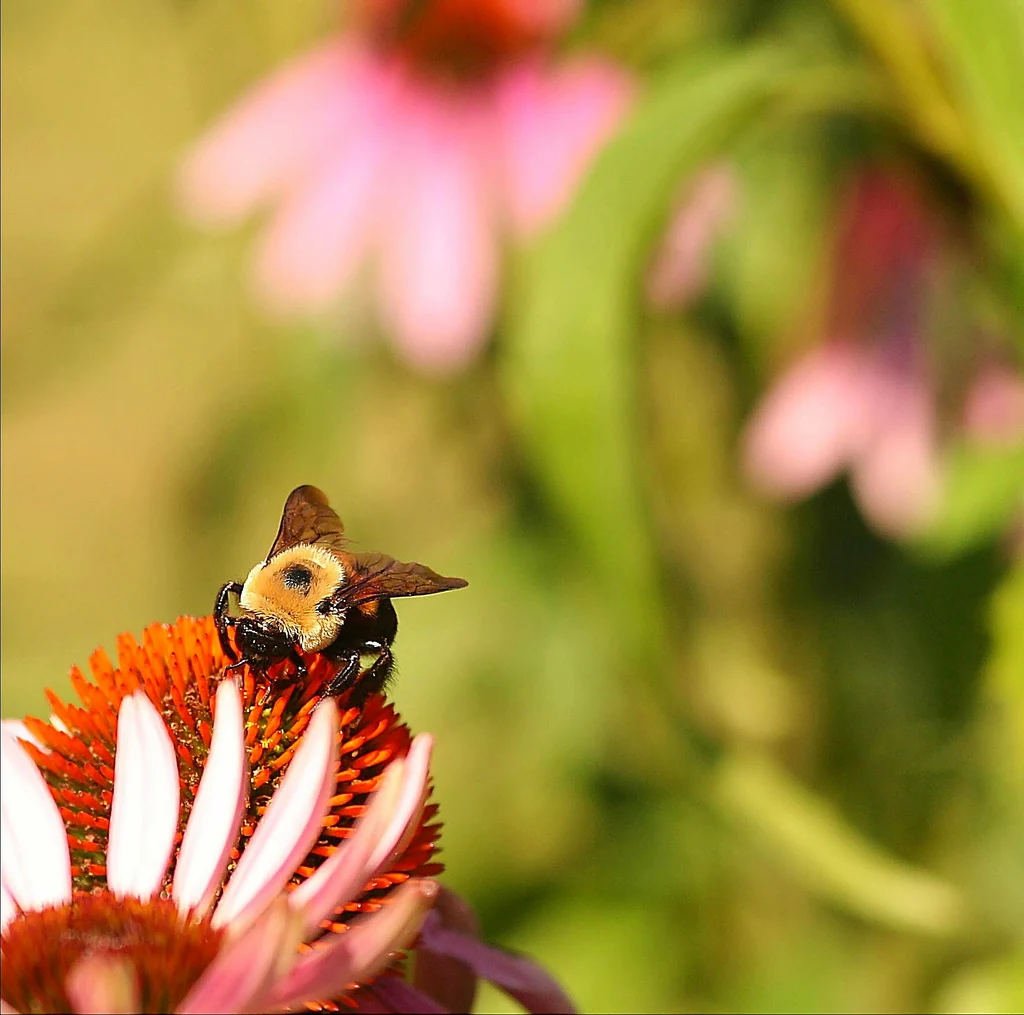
x=865 y=400
x=409 y=144
x=128 y=945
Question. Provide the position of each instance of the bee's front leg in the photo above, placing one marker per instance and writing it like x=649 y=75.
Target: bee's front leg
x=223 y=621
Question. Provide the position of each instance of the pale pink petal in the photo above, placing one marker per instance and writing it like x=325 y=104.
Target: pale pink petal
x=680 y=266
x=438 y=263
x=34 y=859
x=552 y=122
x=897 y=478
x=19 y=731
x=322 y=232
x=8 y=907
x=361 y=952
x=410 y=802
x=380 y=831
x=812 y=422
x=102 y=983
x=994 y=410
x=217 y=812
x=518 y=976
x=6 y=1009
x=291 y=825
x=247 y=965
x=273 y=134
x=144 y=811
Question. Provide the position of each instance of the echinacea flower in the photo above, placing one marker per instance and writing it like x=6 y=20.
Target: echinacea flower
x=408 y=144
x=867 y=399
x=184 y=844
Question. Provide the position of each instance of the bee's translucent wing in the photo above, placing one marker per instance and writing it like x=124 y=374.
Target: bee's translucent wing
x=308 y=518
x=376 y=574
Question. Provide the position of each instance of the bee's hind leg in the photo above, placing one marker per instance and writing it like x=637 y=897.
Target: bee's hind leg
x=344 y=677
x=378 y=675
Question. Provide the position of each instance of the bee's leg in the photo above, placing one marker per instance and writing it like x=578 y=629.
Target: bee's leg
x=223 y=621
x=379 y=673
x=345 y=675
x=300 y=665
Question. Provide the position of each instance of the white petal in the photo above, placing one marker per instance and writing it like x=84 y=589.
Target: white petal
x=217 y=812
x=34 y=858
x=144 y=811
x=290 y=826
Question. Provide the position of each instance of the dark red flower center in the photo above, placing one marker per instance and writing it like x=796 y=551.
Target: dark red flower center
x=166 y=953
x=461 y=36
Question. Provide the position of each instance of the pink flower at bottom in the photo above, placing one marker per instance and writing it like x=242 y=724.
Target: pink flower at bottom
x=374 y=161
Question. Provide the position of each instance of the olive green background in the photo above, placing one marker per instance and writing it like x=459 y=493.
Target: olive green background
x=694 y=751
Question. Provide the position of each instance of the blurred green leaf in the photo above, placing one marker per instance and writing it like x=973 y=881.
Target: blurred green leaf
x=984 y=490
x=831 y=856
x=570 y=368
x=983 y=43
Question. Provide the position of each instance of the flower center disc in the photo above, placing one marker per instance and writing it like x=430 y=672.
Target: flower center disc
x=167 y=952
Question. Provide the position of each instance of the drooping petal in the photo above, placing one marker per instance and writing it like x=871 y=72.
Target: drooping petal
x=246 y=965
x=358 y=954
x=273 y=135
x=322 y=232
x=20 y=731
x=993 y=411
x=144 y=811
x=517 y=975
x=438 y=262
x=393 y=994
x=897 y=478
x=449 y=981
x=217 y=811
x=379 y=832
x=34 y=858
x=812 y=422
x=552 y=121
x=290 y=826
x=102 y=983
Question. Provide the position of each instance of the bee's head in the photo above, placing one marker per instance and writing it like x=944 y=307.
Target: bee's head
x=292 y=592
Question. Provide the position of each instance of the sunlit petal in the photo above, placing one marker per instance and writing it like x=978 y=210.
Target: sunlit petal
x=217 y=811
x=144 y=811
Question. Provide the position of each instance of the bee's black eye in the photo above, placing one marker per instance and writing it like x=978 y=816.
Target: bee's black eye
x=299 y=578
x=324 y=607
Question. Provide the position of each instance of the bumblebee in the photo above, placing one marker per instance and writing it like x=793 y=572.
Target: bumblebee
x=312 y=594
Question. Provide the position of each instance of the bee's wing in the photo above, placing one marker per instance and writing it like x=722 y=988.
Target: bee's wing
x=308 y=518
x=376 y=574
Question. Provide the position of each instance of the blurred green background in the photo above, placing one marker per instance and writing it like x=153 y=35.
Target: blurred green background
x=696 y=751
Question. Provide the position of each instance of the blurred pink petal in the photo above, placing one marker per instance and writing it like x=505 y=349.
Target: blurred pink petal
x=102 y=983
x=144 y=812
x=994 y=410
x=517 y=975
x=380 y=830
x=438 y=249
x=239 y=974
x=290 y=826
x=273 y=135
x=8 y=907
x=812 y=422
x=552 y=121
x=680 y=265
x=322 y=232
x=216 y=815
x=36 y=862
x=358 y=954
x=897 y=479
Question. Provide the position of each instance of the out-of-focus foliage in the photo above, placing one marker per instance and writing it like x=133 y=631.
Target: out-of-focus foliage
x=696 y=751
